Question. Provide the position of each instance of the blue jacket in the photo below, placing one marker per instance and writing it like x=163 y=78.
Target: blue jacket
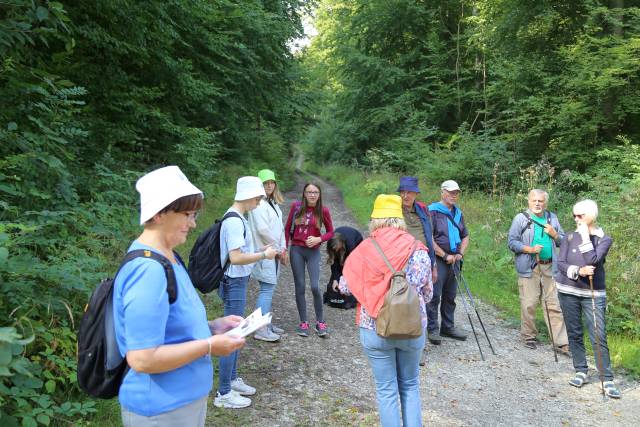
x=423 y=214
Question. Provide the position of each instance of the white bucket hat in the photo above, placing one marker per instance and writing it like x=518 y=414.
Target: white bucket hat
x=161 y=187
x=450 y=185
x=249 y=187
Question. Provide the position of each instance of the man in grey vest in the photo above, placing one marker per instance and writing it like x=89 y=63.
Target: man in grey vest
x=534 y=238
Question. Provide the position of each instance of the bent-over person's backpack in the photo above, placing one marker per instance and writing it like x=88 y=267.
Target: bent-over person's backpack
x=399 y=317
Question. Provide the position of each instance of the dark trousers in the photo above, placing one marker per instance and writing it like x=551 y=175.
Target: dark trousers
x=444 y=297
x=574 y=310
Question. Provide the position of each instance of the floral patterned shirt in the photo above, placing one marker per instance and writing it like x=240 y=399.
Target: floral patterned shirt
x=418 y=273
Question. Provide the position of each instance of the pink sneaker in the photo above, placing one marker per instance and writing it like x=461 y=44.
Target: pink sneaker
x=321 y=329
x=303 y=329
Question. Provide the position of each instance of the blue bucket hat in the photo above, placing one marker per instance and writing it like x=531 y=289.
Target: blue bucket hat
x=408 y=183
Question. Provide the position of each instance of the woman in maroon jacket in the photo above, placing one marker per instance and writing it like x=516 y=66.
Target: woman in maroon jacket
x=304 y=224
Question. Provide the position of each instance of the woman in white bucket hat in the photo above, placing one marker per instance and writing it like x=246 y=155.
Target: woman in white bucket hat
x=167 y=345
x=236 y=244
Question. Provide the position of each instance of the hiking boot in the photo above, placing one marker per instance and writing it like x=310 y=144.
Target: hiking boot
x=241 y=388
x=265 y=334
x=303 y=329
x=611 y=390
x=321 y=329
x=530 y=343
x=579 y=379
x=564 y=350
x=434 y=338
x=456 y=334
x=231 y=400
x=275 y=329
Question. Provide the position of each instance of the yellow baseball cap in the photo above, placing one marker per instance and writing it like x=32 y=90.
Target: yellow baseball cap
x=387 y=206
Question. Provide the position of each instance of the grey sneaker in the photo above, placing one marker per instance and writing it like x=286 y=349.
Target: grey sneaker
x=275 y=329
x=321 y=329
x=611 y=390
x=241 y=388
x=231 y=400
x=454 y=333
x=265 y=334
x=434 y=338
x=579 y=379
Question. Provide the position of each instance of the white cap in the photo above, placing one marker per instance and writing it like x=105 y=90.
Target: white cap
x=450 y=185
x=249 y=187
x=160 y=188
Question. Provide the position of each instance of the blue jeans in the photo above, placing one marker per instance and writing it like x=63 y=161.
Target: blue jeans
x=265 y=296
x=573 y=309
x=395 y=368
x=233 y=291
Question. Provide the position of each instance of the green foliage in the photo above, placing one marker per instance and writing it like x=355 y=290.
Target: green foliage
x=93 y=95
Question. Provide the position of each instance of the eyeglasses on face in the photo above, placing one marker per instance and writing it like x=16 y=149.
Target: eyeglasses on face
x=578 y=216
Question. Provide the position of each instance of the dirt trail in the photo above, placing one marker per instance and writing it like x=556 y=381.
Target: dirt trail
x=314 y=381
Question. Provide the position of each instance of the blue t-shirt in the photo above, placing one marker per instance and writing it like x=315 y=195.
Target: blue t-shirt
x=231 y=237
x=145 y=319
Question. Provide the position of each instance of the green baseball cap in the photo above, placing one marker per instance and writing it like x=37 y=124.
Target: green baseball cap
x=266 y=175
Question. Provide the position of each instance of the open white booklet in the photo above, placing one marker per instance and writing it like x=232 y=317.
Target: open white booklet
x=250 y=324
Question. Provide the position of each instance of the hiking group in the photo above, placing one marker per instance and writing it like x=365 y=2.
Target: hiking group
x=403 y=280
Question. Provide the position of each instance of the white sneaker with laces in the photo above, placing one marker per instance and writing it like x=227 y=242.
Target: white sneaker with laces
x=231 y=400
x=275 y=329
x=265 y=334
x=241 y=388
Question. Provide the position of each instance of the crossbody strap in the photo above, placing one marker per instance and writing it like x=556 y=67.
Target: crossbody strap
x=384 y=257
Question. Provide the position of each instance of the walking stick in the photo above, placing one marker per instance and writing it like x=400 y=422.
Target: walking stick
x=473 y=303
x=595 y=332
x=546 y=309
x=464 y=303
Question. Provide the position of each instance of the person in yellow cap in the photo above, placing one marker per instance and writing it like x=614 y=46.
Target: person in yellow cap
x=365 y=275
x=267 y=228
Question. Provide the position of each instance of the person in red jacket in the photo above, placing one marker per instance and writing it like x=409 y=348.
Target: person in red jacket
x=306 y=219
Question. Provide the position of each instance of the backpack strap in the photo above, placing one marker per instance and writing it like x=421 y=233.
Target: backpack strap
x=232 y=214
x=384 y=257
x=172 y=288
x=297 y=207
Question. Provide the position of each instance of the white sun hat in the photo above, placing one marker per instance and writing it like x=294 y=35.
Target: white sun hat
x=161 y=187
x=249 y=187
x=450 y=185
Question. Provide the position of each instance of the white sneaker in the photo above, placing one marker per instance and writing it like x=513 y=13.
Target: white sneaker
x=275 y=329
x=231 y=400
x=265 y=334
x=241 y=388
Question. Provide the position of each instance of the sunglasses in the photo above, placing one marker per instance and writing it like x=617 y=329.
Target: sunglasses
x=578 y=216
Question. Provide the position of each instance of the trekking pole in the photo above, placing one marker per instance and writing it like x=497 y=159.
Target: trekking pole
x=473 y=303
x=466 y=309
x=595 y=332
x=546 y=309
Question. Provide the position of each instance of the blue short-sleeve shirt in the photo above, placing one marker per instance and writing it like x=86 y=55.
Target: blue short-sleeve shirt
x=231 y=237
x=145 y=319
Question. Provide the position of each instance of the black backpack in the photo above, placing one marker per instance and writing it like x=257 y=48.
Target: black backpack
x=101 y=368
x=205 y=268
x=547 y=215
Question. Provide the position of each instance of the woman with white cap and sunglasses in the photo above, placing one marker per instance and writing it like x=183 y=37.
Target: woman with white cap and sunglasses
x=168 y=346
x=236 y=243
x=266 y=226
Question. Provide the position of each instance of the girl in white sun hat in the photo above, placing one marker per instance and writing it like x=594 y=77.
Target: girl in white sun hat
x=236 y=244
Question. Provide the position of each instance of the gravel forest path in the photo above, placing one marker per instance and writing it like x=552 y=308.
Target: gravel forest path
x=327 y=382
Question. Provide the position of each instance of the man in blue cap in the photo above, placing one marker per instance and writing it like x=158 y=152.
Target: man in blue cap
x=450 y=240
x=416 y=216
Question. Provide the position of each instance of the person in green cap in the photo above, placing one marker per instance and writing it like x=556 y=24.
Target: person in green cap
x=534 y=238
x=267 y=229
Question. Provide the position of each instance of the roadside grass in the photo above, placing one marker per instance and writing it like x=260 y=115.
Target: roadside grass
x=488 y=266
